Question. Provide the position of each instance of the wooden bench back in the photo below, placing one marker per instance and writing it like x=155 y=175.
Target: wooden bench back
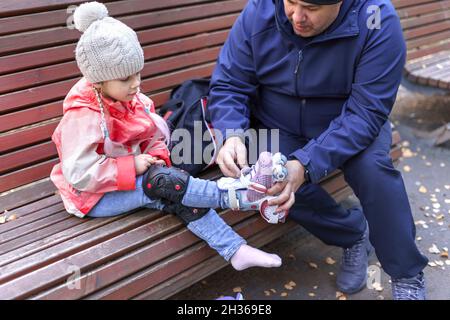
x=426 y=25
x=181 y=40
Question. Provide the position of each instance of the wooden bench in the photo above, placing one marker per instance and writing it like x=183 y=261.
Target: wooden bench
x=140 y=255
x=426 y=27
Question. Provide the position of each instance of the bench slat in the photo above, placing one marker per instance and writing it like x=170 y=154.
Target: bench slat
x=52 y=18
x=62 y=35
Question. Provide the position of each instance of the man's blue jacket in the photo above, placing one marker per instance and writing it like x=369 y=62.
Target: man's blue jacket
x=334 y=92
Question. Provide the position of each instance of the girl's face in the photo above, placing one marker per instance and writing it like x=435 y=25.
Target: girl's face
x=120 y=89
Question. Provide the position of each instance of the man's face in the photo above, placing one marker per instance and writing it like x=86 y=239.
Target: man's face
x=309 y=20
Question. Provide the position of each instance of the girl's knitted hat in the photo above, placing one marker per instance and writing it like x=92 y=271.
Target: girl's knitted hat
x=108 y=49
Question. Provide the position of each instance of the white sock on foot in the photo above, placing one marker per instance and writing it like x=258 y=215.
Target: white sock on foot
x=246 y=257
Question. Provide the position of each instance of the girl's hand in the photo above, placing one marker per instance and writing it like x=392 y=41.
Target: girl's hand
x=143 y=161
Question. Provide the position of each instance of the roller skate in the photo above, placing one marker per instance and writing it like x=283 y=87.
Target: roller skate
x=248 y=192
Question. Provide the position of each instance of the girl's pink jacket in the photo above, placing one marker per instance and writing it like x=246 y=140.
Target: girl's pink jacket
x=85 y=173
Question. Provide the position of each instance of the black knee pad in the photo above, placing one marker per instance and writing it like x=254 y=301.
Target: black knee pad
x=161 y=182
x=187 y=214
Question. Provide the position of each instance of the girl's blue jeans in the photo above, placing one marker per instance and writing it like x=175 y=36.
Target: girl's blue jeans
x=200 y=193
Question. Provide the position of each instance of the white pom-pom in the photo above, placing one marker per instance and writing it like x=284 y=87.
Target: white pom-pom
x=87 y=13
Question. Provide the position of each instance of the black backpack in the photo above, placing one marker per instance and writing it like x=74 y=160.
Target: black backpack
x=192 y=146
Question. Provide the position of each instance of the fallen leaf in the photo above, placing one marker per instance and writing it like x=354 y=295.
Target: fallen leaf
x=331 y=273
x=292 y=283
x=330 y=261
x=273 y=290
x=419 y=238
x=440 y=217
x=288 y=287
x=444 y=254
x=447 y=187
x=237 y=289
x=284 y=294
x=434 y=249
x=432 y=264
x=422 y=189
x=2 y=220
x=339 y=294
x=267 y=293
x=447 y=262
x=442 y=164
x=407 y=153
x=439 y=263
x=380 y=297
x=315 y=287
x=11 y=217
x=428 y=164
x=437 y=190
x=447 y=200
x=292 y=256
x=311 y=294
x=313 y=265
x=436 y=205
x=407 y=168
x=342 y=298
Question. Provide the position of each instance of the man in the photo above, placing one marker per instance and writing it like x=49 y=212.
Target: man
x=326 y=74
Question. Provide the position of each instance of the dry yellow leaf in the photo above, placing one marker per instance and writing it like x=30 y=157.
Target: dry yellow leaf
x=342 y=298
x=444 y=254
x=330 y=260
x=273 y=290
x=292 y=256
x=237 y=289
x=440 y=217
x=11 y=217
x=422 y=189
x=339 y=294
x=313 y=265
x=267 y=293
x=292 y=283
x=288 y=287
x=284 y=294
x=311 y=294
x=407 y=153
x=2 y=220
x=407 y=168
x=428 y=164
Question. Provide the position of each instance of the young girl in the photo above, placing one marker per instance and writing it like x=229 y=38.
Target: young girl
x=113 y=152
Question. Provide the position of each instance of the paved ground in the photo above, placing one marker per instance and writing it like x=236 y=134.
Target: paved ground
x=308 y=272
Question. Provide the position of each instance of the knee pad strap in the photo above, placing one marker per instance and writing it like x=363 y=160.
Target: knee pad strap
x=186 y=214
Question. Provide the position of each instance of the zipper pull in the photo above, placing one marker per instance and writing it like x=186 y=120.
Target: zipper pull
x=300 y=58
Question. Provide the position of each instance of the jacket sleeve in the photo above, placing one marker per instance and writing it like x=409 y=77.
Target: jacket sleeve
x=82 y=166
x=376 y=81
x=234 y=82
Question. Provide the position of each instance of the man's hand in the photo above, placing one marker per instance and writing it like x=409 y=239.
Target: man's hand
x=287 y=188
x=143 y=161
x=232 y=152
